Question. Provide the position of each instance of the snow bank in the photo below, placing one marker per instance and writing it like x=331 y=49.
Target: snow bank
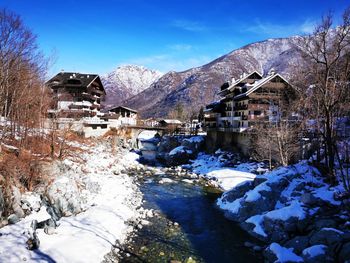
x=166 y=181
x=284 y=254
x=213 y=167
x=179 y=150
x=314 y=251
x=146 y=135
x=195 y=139
x=228 y=178
x=257 y=221
x=89 y=235
x=293 y=210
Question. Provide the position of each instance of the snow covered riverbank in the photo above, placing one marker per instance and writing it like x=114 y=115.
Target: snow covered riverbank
x=104 y=197
x=224 y=170
x=295 y=212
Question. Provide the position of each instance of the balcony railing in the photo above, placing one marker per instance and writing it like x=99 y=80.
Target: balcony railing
x=241 y=107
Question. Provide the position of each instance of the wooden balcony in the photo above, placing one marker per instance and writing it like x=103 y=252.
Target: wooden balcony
x=258 y=107
x=241 y=107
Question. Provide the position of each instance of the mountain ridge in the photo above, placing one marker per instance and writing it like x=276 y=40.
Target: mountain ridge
x=199 y=86
x=126 y=81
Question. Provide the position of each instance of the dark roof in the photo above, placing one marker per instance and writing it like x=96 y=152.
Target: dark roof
x=120 y=107
x=66 y=78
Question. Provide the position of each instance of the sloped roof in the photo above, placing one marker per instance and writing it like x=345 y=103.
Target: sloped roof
x=122 y=107
x=259 y=83
x=234 y=84
x=171 y=121
x=63 y=78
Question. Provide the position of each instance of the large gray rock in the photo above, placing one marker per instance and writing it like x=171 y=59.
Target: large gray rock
x=308 y=199
x=178 y=155
x=326 y=236
x=2 y=203
x=317 y=254
x=276 y=253
x=261 y=199
x=13 y=219
x=238 y=191
x=298 y=243
x=195 y=143
x=168 y=143
x=324 y=223
x=16 y=202
x=64 y=196
x=344 y=254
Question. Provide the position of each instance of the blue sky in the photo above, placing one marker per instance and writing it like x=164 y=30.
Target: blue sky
x=97 y=36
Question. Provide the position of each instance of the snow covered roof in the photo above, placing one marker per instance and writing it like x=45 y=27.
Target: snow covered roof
x=122 y=107
x=171 y=121
x=84 y=80
x=259 y=83
x=235 y=83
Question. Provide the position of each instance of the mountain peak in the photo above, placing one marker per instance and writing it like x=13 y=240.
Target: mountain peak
x=126 y=81
x=199 y=86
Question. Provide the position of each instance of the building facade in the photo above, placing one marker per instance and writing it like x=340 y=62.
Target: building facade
x=76 y=101
x=120 y=116
x=246 y=102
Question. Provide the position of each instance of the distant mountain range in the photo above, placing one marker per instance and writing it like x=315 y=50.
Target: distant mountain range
x=199 y=86
x=127 y=81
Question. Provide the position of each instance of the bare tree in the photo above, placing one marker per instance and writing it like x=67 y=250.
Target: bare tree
x=22 y=67
x=276 y=141
x=323 y=81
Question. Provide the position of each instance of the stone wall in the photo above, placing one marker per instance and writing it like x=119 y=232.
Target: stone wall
x=227 y=141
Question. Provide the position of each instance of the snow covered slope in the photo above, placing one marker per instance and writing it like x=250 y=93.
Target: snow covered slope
x=127 y=81
x=199 y=86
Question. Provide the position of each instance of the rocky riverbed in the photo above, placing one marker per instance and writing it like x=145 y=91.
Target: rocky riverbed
x=104 y=205
x=81 y=214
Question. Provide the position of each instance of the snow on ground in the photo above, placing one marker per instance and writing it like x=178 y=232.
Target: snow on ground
x=257 y=221
x=314 y=251
x=293 y=210
x=213 y=167
x=166 y=181
x=180 y=149
x=227 y=178
x=146 y=135
x=87 y=236
x=284 y=197
x=195 y=139
x=284 y=254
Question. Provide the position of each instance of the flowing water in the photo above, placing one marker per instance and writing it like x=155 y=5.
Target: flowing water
x=188 y=227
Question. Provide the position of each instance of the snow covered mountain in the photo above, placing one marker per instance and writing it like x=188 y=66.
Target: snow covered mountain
x=127 y=81
x=199 y=86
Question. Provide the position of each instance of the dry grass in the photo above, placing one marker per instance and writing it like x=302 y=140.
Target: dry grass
x=23 y=168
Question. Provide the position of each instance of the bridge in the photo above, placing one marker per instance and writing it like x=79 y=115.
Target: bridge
x=133 y=132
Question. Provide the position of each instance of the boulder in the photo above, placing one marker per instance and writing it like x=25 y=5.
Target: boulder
x=326 y=236
x=344 y=253
x=33 y=242
x=259 y=180
x=317 y=254
x=195 y=143
x=308 y=199
x=276 y=253
x=326 y=222
x=168 y=143
x=238 y=191
x=64 y=197
x=280 y=223
x=16 y=202
x=2 y=203
x=178 y=155
x=13 y=219
x=298 y=243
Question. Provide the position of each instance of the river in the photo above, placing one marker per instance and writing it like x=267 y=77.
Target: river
x=188 y=227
